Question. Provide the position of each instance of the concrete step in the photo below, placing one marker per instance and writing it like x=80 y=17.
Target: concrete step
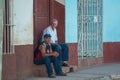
x=71 y=68
x=40 y=70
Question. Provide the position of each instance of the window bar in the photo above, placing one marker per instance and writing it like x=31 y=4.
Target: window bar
x=91 y=28
x=82 y=27
x=78 y=20
x=8 y=27
x=11 y=31
x=4 y=39
x=81 y=38
x=87 y=28
x=5 y=29
x=101 y=26
x=97 y=31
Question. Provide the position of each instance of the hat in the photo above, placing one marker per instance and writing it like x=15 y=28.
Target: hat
x=47 y=35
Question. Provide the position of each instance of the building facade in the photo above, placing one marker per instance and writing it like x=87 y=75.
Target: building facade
x=80 y=26
x=23 y=26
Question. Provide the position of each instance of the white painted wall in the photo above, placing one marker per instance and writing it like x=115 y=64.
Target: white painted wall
x=23 y=21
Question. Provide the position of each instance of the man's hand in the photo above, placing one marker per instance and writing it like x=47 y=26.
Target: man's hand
x=55 y=54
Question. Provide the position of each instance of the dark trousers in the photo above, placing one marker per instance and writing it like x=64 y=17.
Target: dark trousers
x=47 y=61
x=63 y=51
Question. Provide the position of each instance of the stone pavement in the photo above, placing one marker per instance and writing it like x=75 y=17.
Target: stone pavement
x=101 y=72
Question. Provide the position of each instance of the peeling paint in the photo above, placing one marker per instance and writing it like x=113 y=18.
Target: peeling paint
x=25 y=35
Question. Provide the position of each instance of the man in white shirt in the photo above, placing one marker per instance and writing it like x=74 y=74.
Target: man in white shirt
x=61 y=48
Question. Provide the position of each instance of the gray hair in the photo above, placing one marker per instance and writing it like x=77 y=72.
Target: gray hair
x=54 y=20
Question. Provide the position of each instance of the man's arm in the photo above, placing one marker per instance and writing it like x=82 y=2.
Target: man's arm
x=42 y=49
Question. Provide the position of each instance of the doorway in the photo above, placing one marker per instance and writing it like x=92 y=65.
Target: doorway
x=44 y=11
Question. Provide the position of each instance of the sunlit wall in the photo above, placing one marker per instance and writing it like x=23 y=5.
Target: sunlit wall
x=71 y=21
x=111 y=20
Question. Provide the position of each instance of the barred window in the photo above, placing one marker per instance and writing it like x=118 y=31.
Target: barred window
x=90 y=29
x=8 y=47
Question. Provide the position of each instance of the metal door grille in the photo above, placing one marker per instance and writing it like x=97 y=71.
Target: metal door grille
x=8 y=47
x=90 y=28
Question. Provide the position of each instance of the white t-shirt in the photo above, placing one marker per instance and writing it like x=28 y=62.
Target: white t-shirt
x=52 y=32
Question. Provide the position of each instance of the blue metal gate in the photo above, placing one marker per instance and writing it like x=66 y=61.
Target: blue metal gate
x=90 y=23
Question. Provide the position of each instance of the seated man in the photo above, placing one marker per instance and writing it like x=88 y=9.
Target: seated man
x=45 y=56
x=61 y=48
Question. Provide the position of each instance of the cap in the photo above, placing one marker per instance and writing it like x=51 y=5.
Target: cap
x=47 y=35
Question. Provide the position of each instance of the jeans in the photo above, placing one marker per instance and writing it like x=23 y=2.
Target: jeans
x=47 y=61
x=63 y=51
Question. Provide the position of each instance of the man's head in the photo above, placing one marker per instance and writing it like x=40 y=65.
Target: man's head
x=47 y=38
x=54 y=23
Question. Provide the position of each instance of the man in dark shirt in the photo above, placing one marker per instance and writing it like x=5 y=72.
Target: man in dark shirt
x=46 y=56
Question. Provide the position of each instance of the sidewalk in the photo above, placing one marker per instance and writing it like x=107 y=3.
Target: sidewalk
x=101 y=72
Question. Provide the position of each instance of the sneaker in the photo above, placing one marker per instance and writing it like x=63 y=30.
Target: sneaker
x=51 y=76
x=65 y=65
x=62 y=74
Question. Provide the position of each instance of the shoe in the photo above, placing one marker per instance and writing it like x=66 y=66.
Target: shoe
x=62 y=74
x=52 y=76
x=65 y=65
